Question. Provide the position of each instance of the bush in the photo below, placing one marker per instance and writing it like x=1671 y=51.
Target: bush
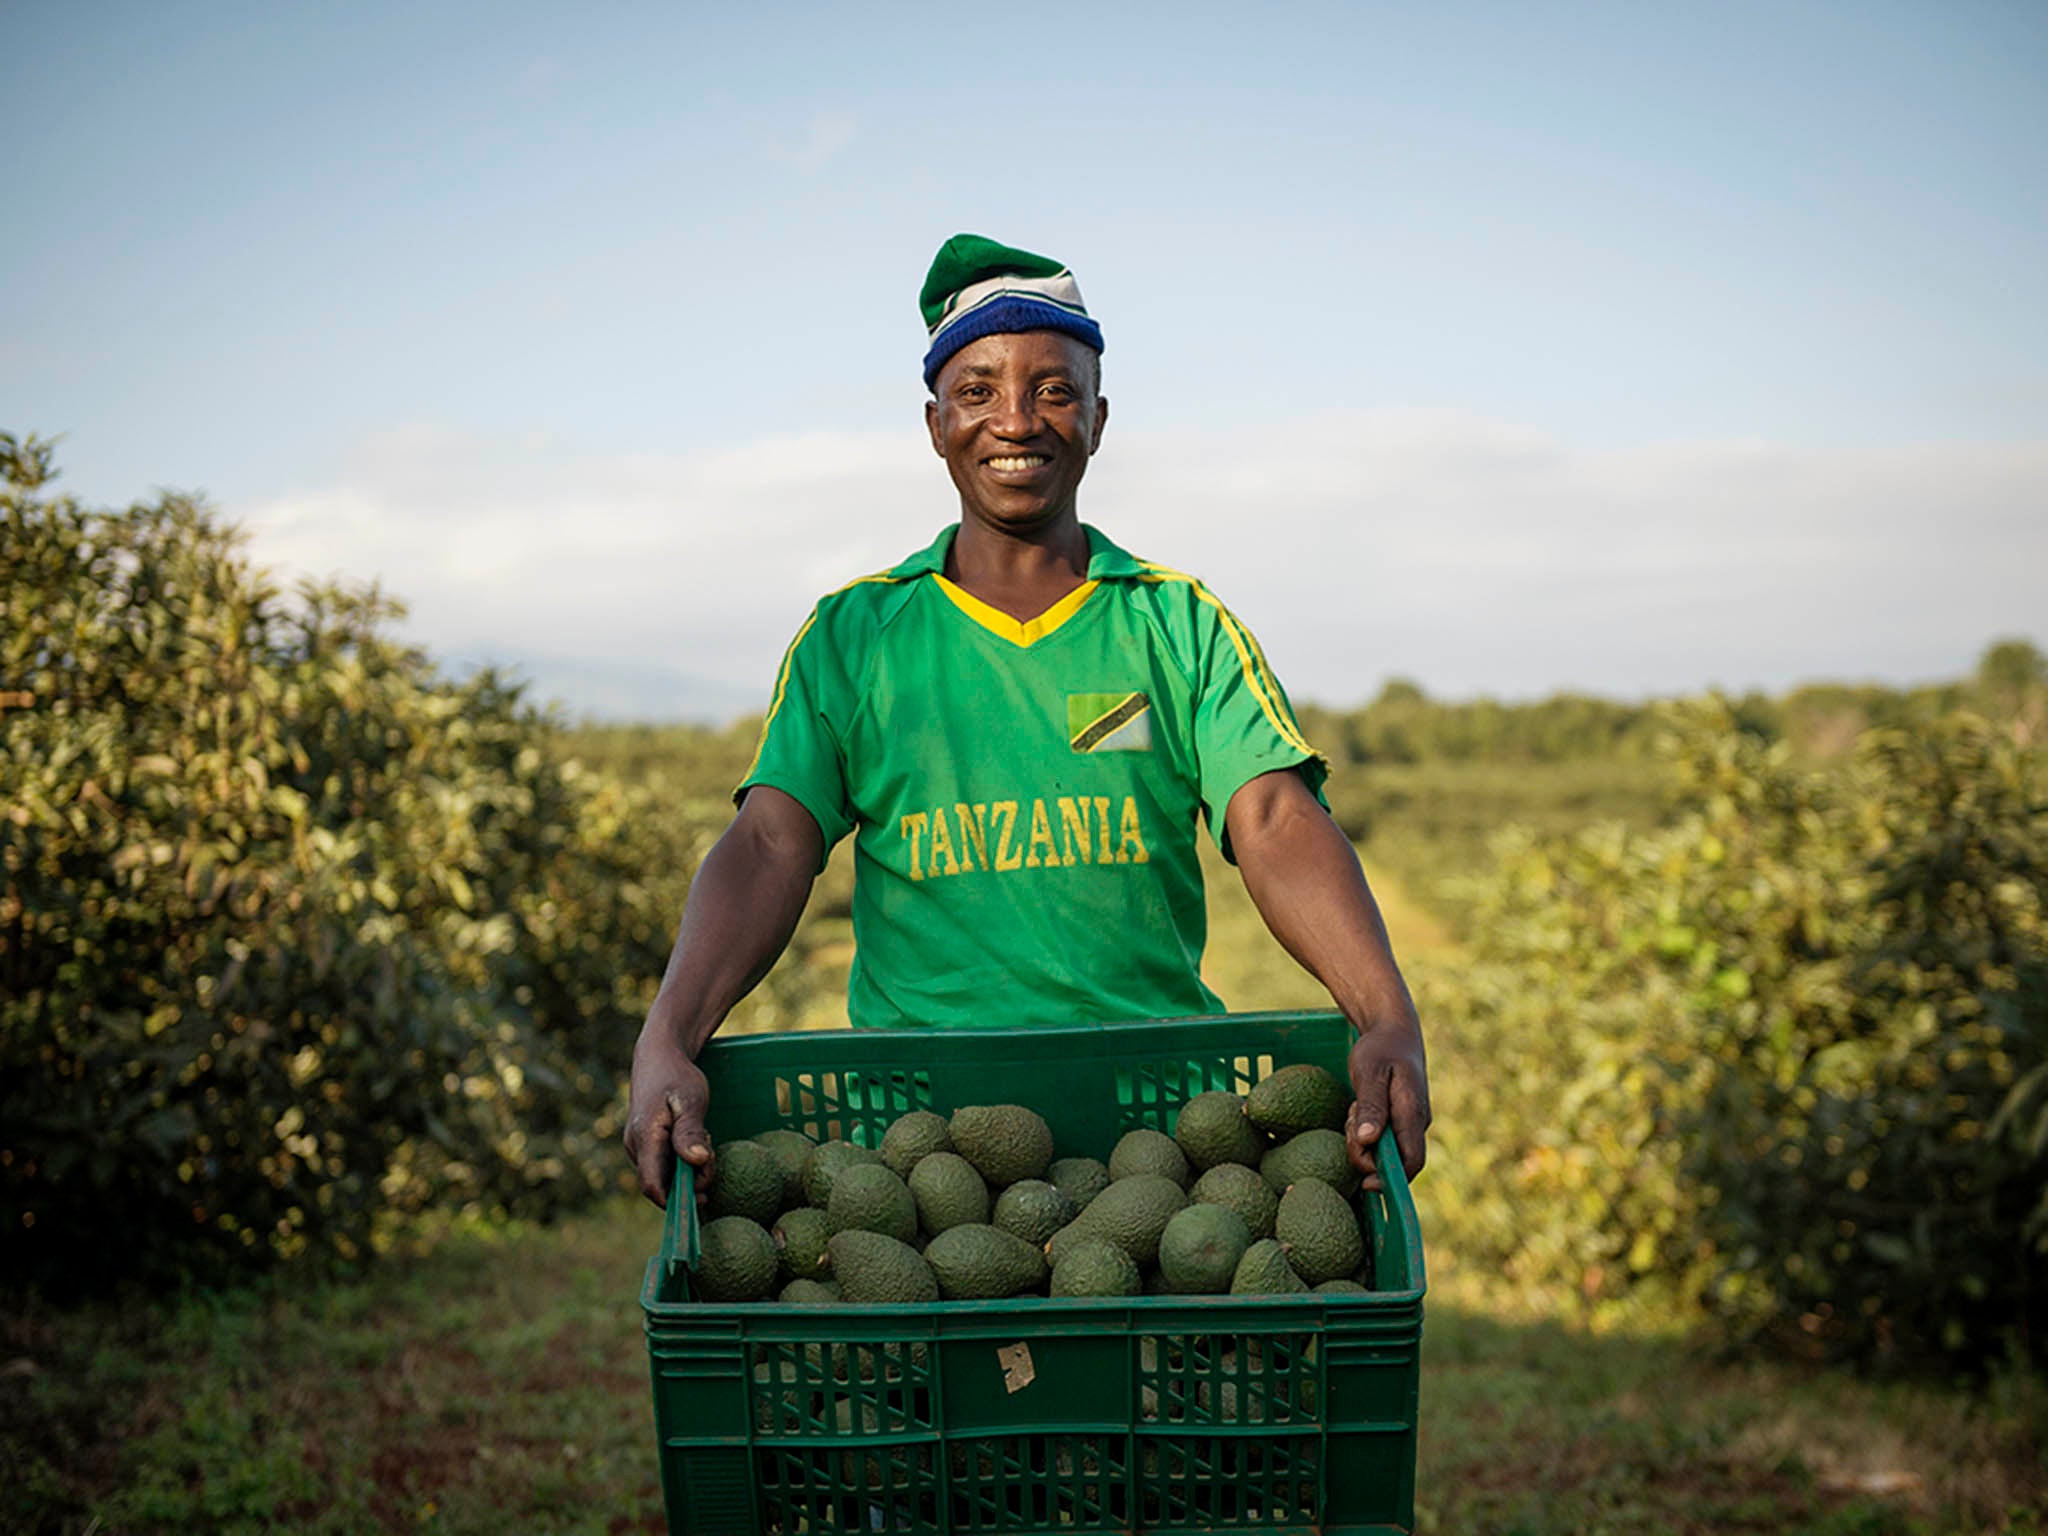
x=1787 y=1059
x=294 y=933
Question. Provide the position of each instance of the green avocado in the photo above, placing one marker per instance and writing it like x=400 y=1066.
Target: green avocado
x=1213 y=1129
x=1200 y=1249
x=1317 y=1154
x=913 y=1136
x=1033 y=1210
x=948 y=1192
x=1303 y=1097
x=748 y=1183
x=871 y=1198
x=977 y=1263
x=873 y=1268
x=1005 y=1142
x=735 y=1261
x=1317 y=1228
x=1148 y=1151
x=1238 y=1188
x=1092 y=1267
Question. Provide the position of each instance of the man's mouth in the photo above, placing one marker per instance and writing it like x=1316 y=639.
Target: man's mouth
x=1018 y=462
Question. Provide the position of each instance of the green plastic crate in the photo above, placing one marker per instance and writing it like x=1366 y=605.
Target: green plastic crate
x=1153 y=1414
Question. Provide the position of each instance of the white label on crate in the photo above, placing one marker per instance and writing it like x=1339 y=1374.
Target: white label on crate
x=1015 y=1359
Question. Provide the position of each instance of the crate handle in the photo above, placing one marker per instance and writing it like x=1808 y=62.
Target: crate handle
x=679 y=1231
x=1393 y=1196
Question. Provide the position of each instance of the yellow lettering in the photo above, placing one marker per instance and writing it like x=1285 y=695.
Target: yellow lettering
x=942 y=842
x=1006 y=823
x=973 y=834
x=1102 y=853
x=1074 y=828
x=1130 y=848
x=913 y=828
x=1041 y=833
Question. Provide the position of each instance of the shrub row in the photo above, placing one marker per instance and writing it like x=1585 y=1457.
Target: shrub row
x=295 y=933
x=1787 y=1057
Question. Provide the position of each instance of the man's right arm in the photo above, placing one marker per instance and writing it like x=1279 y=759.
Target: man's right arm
x=743 y=906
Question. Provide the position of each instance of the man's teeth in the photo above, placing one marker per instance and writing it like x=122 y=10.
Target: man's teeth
x=1020 y=461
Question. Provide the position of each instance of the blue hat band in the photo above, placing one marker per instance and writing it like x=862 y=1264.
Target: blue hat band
x=1010 y=313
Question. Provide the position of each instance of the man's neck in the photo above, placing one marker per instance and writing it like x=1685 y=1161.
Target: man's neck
x=1021 y=574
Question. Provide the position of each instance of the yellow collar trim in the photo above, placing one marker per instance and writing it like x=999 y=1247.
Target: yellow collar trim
x=1016 y=631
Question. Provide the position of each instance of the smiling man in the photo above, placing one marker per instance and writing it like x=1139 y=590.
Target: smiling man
x=1024 y=727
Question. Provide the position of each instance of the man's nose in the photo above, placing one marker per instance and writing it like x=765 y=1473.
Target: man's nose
x=1016 y=415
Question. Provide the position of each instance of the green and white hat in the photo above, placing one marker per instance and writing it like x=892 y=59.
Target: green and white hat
x=978 y=288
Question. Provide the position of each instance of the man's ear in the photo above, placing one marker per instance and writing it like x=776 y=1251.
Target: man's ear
x=1101 y=421
x=931 y=425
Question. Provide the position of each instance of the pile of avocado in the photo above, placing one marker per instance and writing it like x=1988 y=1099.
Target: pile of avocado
x=1248 y=1196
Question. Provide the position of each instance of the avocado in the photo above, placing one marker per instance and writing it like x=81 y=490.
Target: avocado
x=800 y=1237
x=792 y=1150
x=911 y=1137
x=1080 y=1179
x=1238 y=1188
x=948 y=1192
x=748 y=1183
x=873 y=1268
x=1317 y=1154
x=735 y=1261
x=1303 y=1097
x=811 y=1292
x=1199 y=1250
x=1342 y=1286
x=826 y=1165
x=1005 y=1142
x=1213 y=1129
x=1130 y=1213
x=869 y=1197
x=1264 y=1271
x=978 y=1263
x=1148 y=1151
x=1033 y=1210
x=1316 y=1227
x=1092 y=1267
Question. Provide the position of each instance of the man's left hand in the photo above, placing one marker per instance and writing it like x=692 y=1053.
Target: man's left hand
x=1391 y=1081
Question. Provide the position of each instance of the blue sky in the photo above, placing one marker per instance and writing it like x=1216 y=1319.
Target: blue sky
x=1622 y=347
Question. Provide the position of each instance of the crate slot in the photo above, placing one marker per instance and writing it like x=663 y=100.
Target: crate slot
x=1228 y=1379
x=819 y=1390
x=807 y=1490
x=1229 y=1482
x=1038 y=1482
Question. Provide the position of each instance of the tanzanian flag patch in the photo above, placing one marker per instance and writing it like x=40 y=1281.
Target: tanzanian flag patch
x=1109 y=722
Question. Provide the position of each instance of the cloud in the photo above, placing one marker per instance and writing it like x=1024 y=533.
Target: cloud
x=1474 y=555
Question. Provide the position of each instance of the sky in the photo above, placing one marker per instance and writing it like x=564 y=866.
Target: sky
x=1630 y=348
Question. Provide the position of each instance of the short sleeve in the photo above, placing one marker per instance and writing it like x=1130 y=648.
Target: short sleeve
x=802 y=749
x=1243 y=725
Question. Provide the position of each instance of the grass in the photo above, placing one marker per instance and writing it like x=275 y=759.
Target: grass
x=498 y=1383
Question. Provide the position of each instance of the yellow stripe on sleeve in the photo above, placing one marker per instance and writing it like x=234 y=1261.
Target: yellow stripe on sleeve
x=1256 y=674
x=789 y=660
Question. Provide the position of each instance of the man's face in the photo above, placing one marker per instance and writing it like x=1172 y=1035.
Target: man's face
x=1016 y=417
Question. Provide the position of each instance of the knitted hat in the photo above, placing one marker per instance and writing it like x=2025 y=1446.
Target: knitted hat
x=978 y=288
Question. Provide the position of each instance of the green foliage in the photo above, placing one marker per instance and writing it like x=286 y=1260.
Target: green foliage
x=294 y=933
x=1785 y=1057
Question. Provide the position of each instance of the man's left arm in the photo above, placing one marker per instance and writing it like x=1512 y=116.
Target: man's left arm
x=1306 y=882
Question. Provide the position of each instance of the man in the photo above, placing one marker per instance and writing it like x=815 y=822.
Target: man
x=1022 y=726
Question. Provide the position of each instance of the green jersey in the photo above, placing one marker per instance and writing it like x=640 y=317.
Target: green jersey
x=1025 y=796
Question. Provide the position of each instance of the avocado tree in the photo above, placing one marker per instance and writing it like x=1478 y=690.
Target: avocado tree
x=294 y=932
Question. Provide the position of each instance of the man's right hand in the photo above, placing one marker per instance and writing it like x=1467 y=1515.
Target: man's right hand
x=665 y=1119
x=745 y=898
